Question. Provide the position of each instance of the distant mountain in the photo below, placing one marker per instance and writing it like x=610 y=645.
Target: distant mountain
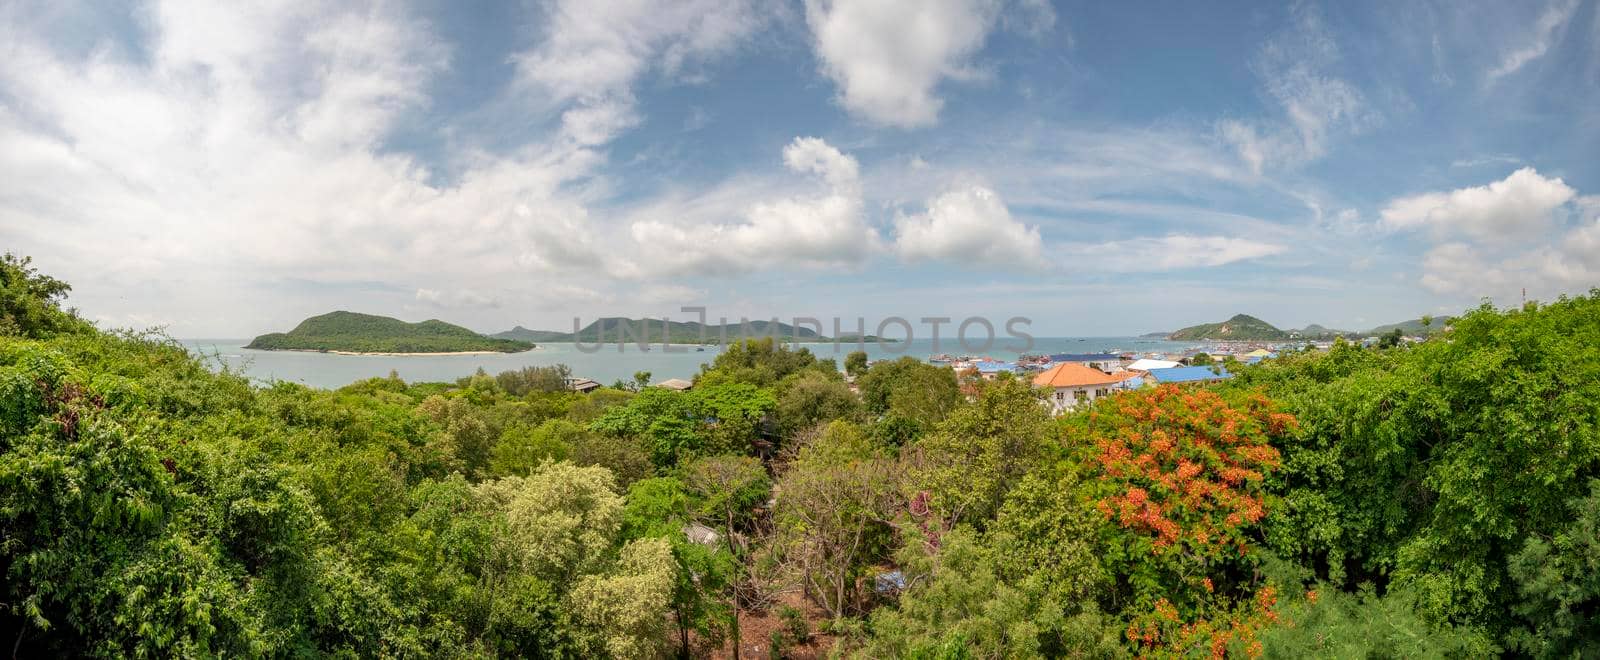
x=1315 y=331
x=1154 y=335
x=678 y=332
x=365 y=333
x=1414 y=327
x=1242 y=327
x=520 y=333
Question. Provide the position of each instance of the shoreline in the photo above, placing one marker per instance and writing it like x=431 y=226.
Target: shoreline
x=384 y=354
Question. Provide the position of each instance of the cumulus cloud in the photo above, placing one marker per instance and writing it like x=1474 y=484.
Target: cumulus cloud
x=888 y=57
x=1545 y=32
x=593 y=51
x=825 y=230
x=1506 y=237
x=1296 y=68
x=969 y=226
x=1519 y=205
x=1171 y=252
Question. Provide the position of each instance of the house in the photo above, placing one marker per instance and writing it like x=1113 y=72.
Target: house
x=1147 y=364
x=1071 y=383
x=1260 y=353
x=582 y=385
x=678 y=384
x=1189 y=375
x=1106 y=362
x=988 y=370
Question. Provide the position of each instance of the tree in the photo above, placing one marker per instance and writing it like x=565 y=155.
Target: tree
x=909 y=394
x=835 y=506
x=641 y=380
x=855 y=363
x=1558 y=585
x=729 y=488
x=969 y=462
x=811 y=397
x=1181 y=472
x=1201 y=360
x=1432 y=466
x=760 y=362
x=527 y=380
x=30 y=302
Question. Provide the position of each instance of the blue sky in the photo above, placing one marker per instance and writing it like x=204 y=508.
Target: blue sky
x=1102 y=168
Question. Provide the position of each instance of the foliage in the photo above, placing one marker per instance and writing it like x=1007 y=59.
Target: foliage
x=1180 y=476
x=910 y=395
x=30 y=301
x=1441 y=500
x=967 y=464
x=1432 y=466
x=759 y=362
x=835 y=505
x=1331 y=623
x=811 y=397
x=530 y=379
x=1558 y=585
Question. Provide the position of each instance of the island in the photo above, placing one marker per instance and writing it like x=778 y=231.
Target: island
x=680 y=332
x=367 y=334
x=1242 y=327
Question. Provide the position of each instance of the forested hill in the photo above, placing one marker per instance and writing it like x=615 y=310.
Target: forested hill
x=1241 y=327
x=367 y=333
x=677 y=332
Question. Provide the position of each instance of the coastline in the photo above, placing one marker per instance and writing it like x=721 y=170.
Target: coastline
x=386 y=354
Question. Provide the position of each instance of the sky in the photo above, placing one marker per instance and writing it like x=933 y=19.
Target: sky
x=227 y=169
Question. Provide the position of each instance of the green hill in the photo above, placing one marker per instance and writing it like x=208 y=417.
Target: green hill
x=1414 y=327
x=366 y=333
x=678 y=332
x=1315 y=331
x=1240 y=327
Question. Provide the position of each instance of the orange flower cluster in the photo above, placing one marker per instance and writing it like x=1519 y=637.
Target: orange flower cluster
x=1163 y=633
x=1187 y=465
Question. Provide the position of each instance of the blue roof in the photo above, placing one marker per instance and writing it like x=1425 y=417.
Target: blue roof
x=991 y=367
x=1084 y=357
x=1187 y=375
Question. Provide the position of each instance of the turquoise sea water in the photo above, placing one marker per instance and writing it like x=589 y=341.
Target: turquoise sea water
x=607 y=365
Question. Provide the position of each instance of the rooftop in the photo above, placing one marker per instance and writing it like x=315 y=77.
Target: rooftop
x=1072 y=374
x=1188 y=375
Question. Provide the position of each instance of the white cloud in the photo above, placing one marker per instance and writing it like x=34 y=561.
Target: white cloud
x=593 y=52
x=1519 y=205
x=457 y=298
x=1171 y=252
x=1523 y=206
x=1296 y=69
x=824 y=230
x=888 y=56
x=1545 y=33
x=969 y=226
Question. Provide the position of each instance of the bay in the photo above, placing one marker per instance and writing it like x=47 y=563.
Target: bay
x=328 y=370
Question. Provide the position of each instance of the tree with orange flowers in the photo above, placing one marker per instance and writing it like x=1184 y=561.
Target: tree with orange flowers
x=1178 y=476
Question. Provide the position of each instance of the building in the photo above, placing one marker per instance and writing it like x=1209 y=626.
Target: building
x=1189 y=375
x=1071 y=384
x=1147 y=364
x=678 y=384
x=582 y=385
x=1106 y=362
x=989 y=370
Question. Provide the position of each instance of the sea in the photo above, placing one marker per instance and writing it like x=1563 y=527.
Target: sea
x=610 y=363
